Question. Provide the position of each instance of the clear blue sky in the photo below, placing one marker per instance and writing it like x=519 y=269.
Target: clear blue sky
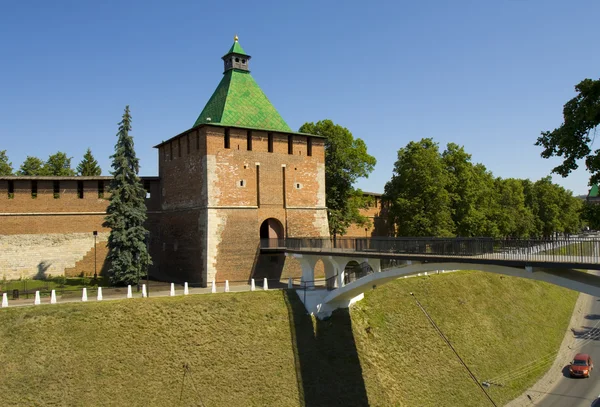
x=489 y=75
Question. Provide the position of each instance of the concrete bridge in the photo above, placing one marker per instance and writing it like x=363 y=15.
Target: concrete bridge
x=557 y=261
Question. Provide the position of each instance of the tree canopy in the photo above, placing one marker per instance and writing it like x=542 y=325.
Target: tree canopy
x=574 y=138
x=6 y=167
x=418 y=191
x=58 y=165
x=32 y=166
x=445 y=194
x=346 y=160
x=88 y=166
x=126 y=212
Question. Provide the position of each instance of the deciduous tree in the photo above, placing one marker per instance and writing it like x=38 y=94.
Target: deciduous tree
x=6 y=167
x=574 y=138
x=58 y=165
x=126 y=212
x=420 y=204
x=32 y=166
x=88 y=166
x=346 y=160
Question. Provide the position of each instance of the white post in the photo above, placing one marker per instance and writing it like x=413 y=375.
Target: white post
x=172 y=293
x=129 y=295
x=226 y=286
x=265 y=284
x=144 y=294
x=37 y=298
x=290 y=282
x=99 y=297
x=213 y=287
x=84 y=295
x=53 y=297
x=186 y=290
x=252 y=285
x=4 y=300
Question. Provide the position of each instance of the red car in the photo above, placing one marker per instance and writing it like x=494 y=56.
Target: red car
x=581 y=366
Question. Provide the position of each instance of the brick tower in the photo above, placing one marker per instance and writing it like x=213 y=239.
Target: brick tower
x=238 y=175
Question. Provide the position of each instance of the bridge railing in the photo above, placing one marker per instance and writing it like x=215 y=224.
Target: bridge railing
x=569 y=249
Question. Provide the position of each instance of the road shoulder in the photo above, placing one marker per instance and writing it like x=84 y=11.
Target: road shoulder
x=565 y=353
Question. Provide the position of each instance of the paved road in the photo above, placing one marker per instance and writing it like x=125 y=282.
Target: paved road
x=580 y=392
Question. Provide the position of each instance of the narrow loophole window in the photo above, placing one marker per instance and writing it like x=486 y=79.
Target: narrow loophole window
x=227 y=138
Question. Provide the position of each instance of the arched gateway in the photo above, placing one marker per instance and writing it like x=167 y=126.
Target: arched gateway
x=271 y=230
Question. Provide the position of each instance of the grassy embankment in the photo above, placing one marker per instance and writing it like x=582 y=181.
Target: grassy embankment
x=259 y=349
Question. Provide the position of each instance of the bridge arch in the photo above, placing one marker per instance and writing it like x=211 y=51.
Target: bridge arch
x=567 y=278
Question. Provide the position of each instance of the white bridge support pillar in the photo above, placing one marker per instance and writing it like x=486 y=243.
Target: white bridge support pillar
x=375 y=264
x=307 y=263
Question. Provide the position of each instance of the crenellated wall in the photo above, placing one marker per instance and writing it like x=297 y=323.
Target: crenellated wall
x=47 y=223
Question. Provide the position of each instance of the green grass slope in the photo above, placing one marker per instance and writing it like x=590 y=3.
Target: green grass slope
x=261 y=349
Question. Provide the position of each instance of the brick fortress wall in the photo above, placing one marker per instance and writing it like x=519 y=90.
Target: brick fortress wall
x=47 y=224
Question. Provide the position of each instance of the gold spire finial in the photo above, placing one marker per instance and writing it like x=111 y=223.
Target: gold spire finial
x=235 y=38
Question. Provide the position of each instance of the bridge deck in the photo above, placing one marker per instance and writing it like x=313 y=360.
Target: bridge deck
x=580 y=253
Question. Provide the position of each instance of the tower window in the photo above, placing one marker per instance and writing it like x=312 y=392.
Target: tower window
x=309 y=146
x=34 y=189
x=249 y=140
x=56 y=189
x=290 y=144
x=242 y=183
x=11 y=189
x=237 y=60
x=270 y=142
x=80 y=189
x=243 y=61
x=227 y=138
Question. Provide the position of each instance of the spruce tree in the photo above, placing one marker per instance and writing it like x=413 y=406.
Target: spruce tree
x=126 y=213
x=88 y=167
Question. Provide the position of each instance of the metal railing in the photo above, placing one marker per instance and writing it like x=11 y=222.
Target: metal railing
x=575 y=249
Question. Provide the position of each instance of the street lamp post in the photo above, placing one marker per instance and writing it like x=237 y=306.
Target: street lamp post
x=137 y=263
x=95 y=232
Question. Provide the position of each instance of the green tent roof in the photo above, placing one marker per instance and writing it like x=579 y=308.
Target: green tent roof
x=594 y=191
x=239 y=101
x=236 y=48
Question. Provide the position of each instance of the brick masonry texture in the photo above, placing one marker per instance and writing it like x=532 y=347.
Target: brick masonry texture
x=38 y=221
x=205 y=210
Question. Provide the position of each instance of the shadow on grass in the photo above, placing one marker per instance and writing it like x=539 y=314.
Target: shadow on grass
x=327 y=365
